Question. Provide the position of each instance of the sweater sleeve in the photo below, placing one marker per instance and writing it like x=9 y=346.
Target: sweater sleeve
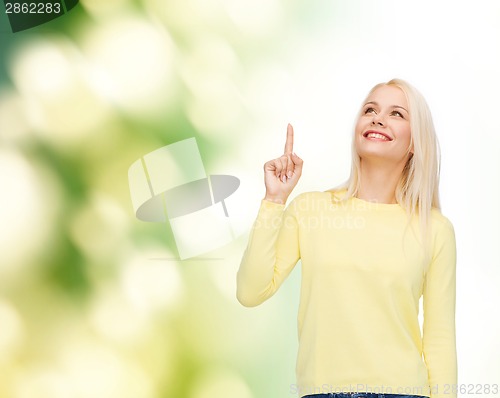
x=439 y=295
x=271 y=253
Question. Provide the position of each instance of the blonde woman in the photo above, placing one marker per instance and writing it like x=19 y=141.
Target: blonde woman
x=369 y=250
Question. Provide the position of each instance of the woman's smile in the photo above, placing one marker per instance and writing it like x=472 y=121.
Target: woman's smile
x=376 y=136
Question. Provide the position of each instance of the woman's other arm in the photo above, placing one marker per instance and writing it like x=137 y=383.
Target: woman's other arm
x=439 y=296
x=273 y=248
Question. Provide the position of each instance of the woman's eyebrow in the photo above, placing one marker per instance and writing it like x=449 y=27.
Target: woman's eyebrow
x=399 y=106
x=393 y=106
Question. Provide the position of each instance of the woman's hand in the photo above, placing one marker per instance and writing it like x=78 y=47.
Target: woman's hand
x=282 y=174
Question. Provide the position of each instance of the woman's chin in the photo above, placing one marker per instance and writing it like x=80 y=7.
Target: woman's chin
x=381 y=157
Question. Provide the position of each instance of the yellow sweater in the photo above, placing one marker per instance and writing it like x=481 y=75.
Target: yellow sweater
x=363 y=273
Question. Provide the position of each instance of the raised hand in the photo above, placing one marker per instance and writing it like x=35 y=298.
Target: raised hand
x=282 y=174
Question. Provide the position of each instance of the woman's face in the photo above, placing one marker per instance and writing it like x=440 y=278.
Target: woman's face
x=383 y=131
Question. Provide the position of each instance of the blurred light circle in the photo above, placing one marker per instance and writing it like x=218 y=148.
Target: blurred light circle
x=210 y=71
x=258 y=18
x=28 y=206
x=13 y=117
x=114 y=318
x=98 y=372
x=43 y=67
x=11 y=331
x=103 y=8
x=152 y=281
x=135 y=58
x=207 y=55
x=220 y=383
x=38 y=381
x=99 y=228
x=189 y=17
x=51 y=76
x=218 y=111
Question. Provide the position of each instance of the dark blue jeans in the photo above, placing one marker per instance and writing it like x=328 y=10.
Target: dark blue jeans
x=362 y=395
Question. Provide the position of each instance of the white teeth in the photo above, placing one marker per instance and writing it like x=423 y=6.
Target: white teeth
x=377 y=135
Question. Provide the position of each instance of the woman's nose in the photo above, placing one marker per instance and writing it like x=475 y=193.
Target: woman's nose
x=377 y=119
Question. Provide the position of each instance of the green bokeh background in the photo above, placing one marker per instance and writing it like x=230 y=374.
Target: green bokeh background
x=93 y=302
x=97 y=306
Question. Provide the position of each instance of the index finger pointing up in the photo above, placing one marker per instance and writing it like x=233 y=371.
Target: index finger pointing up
x=289 y=140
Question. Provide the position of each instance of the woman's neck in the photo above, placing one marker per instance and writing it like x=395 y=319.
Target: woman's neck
x=378 y=182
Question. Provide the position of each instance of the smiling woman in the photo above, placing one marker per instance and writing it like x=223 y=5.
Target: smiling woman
x=406 y=169
x=358 y=325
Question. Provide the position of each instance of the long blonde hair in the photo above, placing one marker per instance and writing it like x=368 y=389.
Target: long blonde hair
x=418 y=188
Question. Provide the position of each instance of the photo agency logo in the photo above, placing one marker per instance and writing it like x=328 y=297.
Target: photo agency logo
x=28 y=14
x=170 y=185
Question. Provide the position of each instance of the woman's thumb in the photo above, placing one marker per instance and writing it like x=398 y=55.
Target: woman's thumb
x=296 y=160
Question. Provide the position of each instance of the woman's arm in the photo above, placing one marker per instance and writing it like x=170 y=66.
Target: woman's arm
x=271 y=253
x=439 y=296
x=273 y=248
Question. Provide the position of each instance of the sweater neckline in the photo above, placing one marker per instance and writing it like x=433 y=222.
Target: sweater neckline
x=358 y=202
x=376 y=205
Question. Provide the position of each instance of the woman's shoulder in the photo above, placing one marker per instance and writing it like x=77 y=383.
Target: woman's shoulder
x=440 y=221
